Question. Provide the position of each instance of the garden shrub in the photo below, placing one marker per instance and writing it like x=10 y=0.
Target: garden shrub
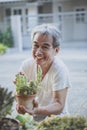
x=6 y=37
x=3 y=48
x=63 y=123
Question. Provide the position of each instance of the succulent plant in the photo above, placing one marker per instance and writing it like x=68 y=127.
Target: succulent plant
x=6 y=102
x=24 y=87
x=63 y=123
x=27 y=122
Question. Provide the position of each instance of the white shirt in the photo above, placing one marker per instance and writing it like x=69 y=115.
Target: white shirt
x=56 y=78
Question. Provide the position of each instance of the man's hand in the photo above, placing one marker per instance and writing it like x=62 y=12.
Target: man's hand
x=22 y=109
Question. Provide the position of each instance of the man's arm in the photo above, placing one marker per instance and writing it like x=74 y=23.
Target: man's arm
x=59 y=99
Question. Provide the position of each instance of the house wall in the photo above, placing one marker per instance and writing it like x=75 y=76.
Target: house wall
x=32 y=21
x=1 y=14
x=32 y=12
x=16 y=29
x=68 y=22
x=1 y=18
x=64 y=19
x=80 y=28
x=69 y=28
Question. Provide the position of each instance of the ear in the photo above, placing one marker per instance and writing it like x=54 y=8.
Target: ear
x=57 y=49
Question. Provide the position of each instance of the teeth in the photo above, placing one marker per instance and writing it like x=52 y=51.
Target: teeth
x=39 y=57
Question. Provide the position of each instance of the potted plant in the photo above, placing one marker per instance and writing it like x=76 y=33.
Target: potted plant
x=26 y=90
x=6 y=102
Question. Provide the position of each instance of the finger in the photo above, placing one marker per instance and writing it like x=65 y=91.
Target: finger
x=23 y=109
x=35 y=103
x=26 y=110
x=17 y=107
x=19 y=110
x=14 y=81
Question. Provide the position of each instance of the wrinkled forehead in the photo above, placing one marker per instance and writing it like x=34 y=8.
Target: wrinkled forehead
x=42 y=37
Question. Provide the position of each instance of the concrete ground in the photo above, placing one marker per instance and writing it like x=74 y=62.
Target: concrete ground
x=74 y=58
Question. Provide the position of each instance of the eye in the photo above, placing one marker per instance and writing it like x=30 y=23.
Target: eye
x=35 y=46
x=45 y=48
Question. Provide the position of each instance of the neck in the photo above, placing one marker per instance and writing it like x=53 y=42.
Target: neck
x=45 y=69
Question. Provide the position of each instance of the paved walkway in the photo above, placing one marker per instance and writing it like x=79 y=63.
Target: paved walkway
x=75 y=59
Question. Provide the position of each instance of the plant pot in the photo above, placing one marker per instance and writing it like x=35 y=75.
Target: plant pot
x=9 y=124
x=25 y=100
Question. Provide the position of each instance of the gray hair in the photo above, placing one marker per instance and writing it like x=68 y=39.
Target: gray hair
x=48 y=29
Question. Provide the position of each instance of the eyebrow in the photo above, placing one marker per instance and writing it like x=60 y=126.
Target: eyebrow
x=35 y=42
x=45 y=43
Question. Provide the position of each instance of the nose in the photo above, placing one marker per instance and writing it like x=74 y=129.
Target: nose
x=39 y=50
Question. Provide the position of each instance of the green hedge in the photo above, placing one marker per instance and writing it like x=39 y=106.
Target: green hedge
x=6 y=37
x=3 y=48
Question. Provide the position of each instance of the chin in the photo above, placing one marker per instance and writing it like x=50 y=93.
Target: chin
x=40 y=62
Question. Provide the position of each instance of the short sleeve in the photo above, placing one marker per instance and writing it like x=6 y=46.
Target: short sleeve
x=61 y=80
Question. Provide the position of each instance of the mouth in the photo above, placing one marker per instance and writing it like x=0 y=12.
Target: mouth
x=39 y=57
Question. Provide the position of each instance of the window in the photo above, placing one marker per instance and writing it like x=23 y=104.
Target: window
x=80 y=15
x=17 y=11
x=26 y=11
x=60 y=10
x=8 y=12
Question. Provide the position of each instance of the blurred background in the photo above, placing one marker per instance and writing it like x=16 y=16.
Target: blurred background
x=70 y=16
x=19 y=17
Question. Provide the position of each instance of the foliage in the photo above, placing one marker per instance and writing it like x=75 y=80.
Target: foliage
x=23 y=87
x=6 y=37
x=63 y=123
x=6 y=102
x=53 y=123
x=26 y=121
x=3 y=48
x=1 y=36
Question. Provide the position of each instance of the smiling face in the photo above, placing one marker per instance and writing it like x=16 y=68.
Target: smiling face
x=42 y=49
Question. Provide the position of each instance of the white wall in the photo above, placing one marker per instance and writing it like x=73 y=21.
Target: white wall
x=32 y=19
x=9 y=0
x=16 y=30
